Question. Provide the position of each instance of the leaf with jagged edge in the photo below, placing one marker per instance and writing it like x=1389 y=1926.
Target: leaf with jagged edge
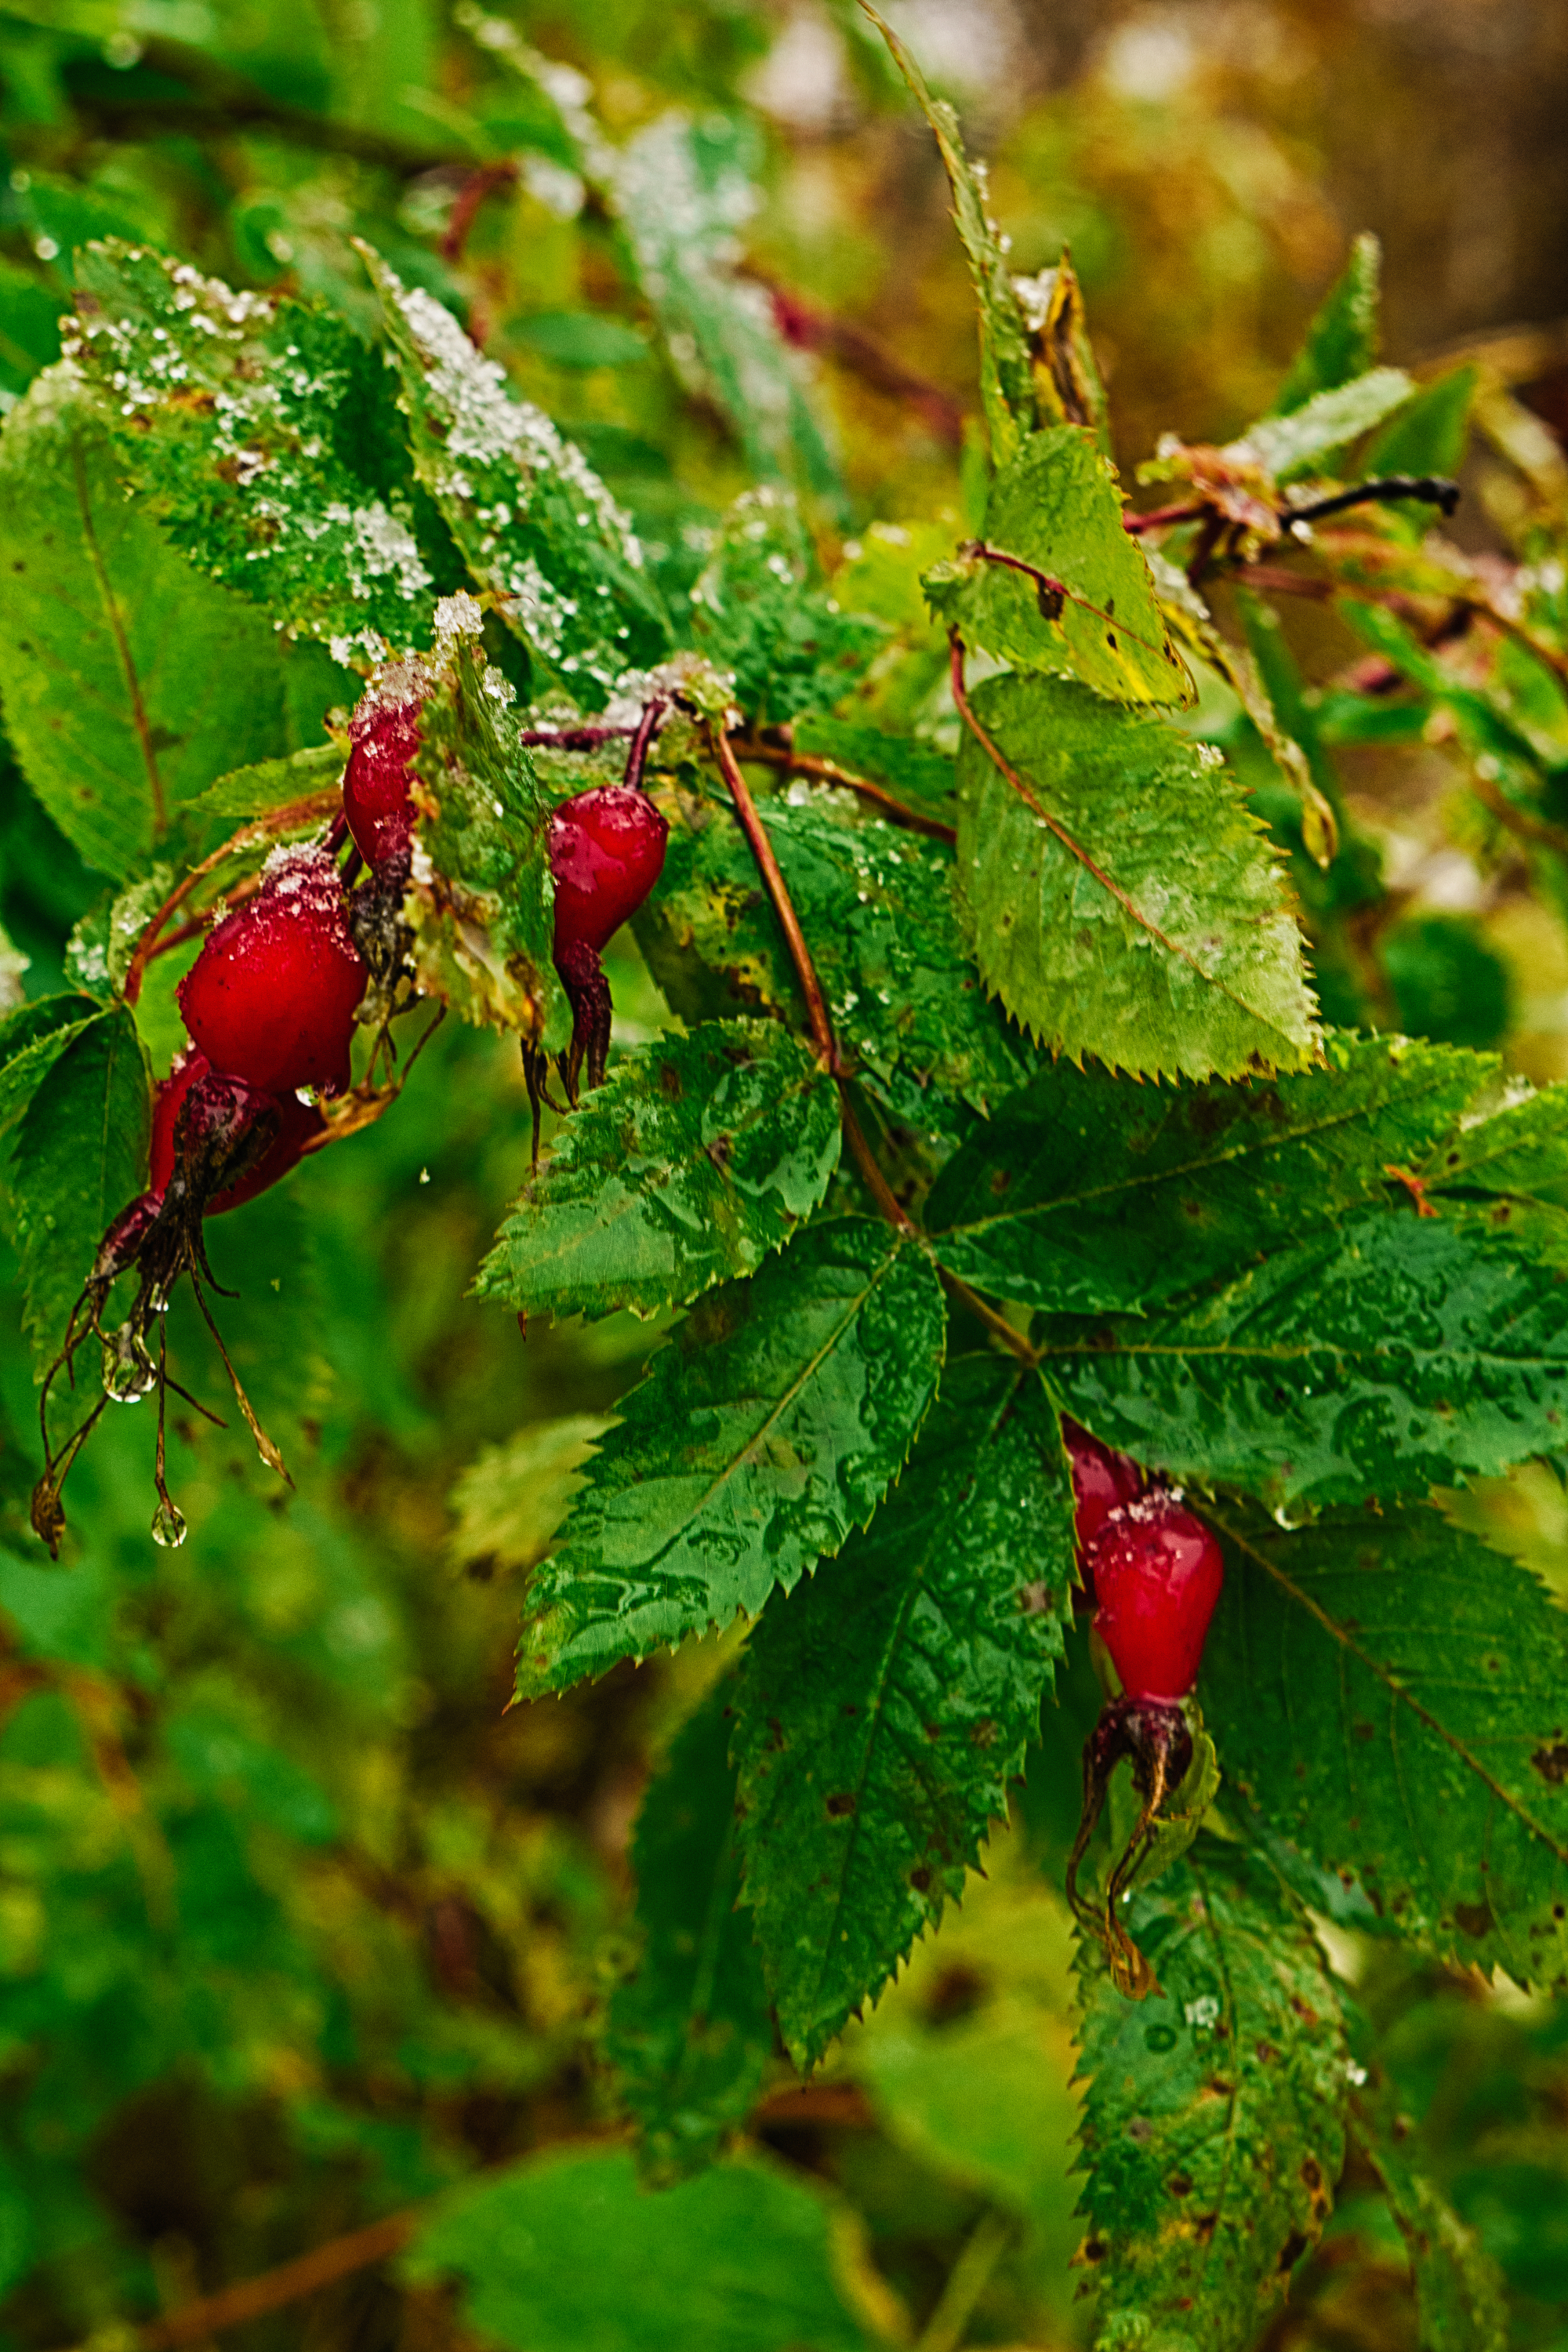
x=885 y=1704
x=1389 y=1694
x=481 y=901
x=877 y=905
x=1055 y=505
x=1429 y=435
x=77 y=1157
x=681 y=189
x=691 y=2029
x=1125 y=902
x=130 y=679
x=1006 y=371
x=263 y=787
x=697 y=1156
x=1461 y=2296
x=1398 y=1353
x=261 y=431
x=771 y=1424
x=1214 y=2112
x=755 y=613
x=1083 y=1196
x=1342 y=339
x=1303 y=443
x=532 y=519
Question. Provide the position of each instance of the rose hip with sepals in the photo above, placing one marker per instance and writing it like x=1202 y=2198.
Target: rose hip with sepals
x=272 y=995
x=297 y=1124
x=376 y=800
x=607 y=851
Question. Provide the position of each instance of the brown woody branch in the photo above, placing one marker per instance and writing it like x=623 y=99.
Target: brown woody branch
x=828 y=772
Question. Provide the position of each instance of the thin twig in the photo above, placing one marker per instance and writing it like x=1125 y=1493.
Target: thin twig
x=484 y=182
x=1519 y=821
x=761 y=849
x=649 y=725
x=859 y=354
x=1051 y=593
x=828 y=772
x=576 y=739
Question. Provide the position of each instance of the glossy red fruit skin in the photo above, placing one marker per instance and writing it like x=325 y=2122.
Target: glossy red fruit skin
x=1157 y=1575
x=607 y=851
x=375 y=784
x=271 y=997
x=299 y=1123
x=1101 y=1482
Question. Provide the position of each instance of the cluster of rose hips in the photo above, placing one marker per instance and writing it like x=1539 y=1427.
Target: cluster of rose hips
x=270 y=1006
x=1153 y=1571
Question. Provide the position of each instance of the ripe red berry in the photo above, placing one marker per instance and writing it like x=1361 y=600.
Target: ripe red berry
x=1157 y=1575
x=298 y=1123
x=375 y=785
x=1101 y=1482
x=607 y=851
x=271 y=997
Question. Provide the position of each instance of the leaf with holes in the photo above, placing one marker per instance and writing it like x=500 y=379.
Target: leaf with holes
x=691 y=2029
x=770 y=1425
x=78 y=1158
x=1214 y=2114
x=130 y=680
x=699 y=1157
x=1388 y=1693
x=1083 y=1196
x=1398 y=1353
x=1123 y=898
x=534 y=521
x=261 y=434
x=885 y=1704
x=1056 y=508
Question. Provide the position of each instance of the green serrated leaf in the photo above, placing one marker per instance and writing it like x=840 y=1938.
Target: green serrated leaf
x=1327 y=423
x=130 y=681
x=1124 y=902
x=1401 y=1352
x=510 y=1501
x=756 y=614
x=681 y=188
x=259 y=430
x=885 y=1706
x=554 y=2256
x=1214 y=2111
x=877 y=905
x=769 y=1427
x=697 y=1156
x=1006 y=372
x=79 y=1156
x=1388 y=1693
x=692 y=2030
x=265 y=786
x=532 y=519
x=1055 y=506
x=1081 y=1196
x=481 y=902
x=1342 y=339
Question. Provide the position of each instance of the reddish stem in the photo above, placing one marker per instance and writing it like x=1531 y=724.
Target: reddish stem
x=761 y=849
x=828 y=772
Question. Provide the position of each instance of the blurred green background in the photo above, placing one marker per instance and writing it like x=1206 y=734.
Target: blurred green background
x=297 y=1924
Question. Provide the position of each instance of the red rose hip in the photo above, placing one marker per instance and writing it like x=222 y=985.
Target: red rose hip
x=607 y=851
x=271 y=997
x=1101 y=1482
x=376 y=782
x=1157 y=1574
